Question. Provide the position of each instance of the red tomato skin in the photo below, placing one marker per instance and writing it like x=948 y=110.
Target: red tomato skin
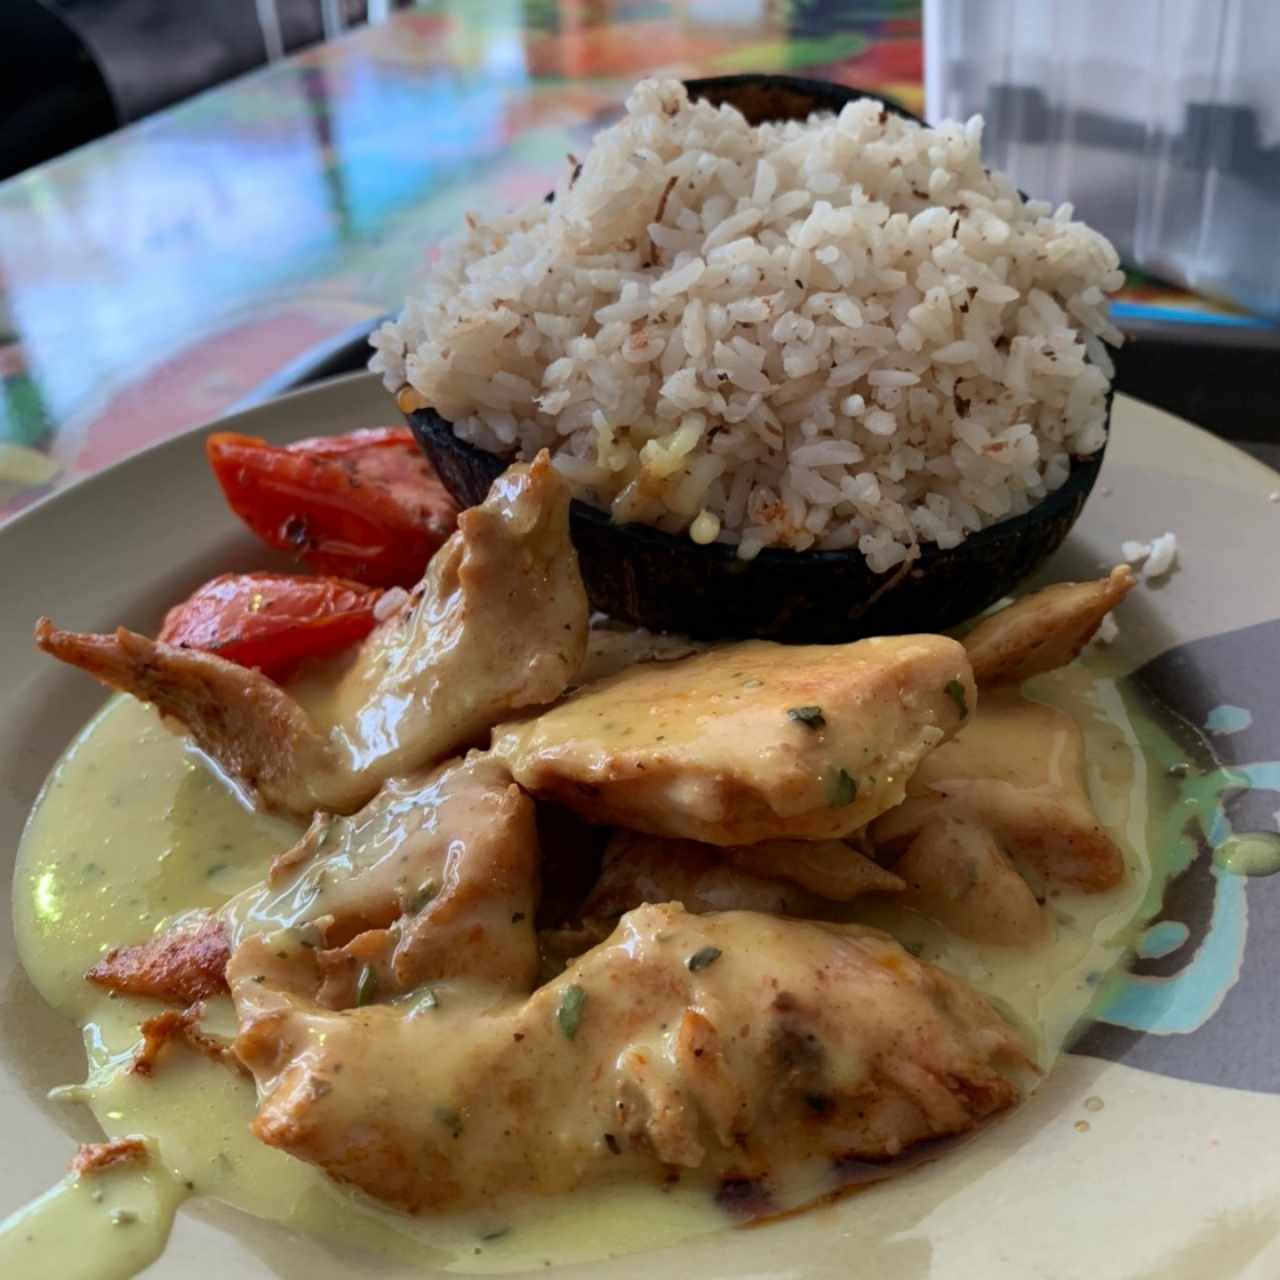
x=365 y=505
x=272 y=621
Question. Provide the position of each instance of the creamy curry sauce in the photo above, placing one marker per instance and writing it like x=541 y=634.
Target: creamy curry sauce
x=135 y=828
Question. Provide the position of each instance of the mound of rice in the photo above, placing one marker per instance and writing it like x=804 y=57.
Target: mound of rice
x=843 y=332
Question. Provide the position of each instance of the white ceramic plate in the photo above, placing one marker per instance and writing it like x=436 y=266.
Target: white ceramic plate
x=1178 y=1176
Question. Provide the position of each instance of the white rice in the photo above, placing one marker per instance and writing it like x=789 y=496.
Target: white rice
x=1158 y=557
x=1163 y=557
x=838 y=333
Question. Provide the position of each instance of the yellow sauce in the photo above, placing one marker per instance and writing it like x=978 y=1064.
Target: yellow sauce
x=134 y=828
x=1047 y=989
x=106 y=1227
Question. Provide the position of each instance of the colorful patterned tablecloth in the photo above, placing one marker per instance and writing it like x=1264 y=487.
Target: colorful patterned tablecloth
x=153 y=279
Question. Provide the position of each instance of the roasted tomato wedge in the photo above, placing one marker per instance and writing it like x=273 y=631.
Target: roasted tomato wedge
x=366 y=505
x=272 y=621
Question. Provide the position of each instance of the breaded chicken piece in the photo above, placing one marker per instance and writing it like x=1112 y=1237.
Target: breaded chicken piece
x=1017 y=770
x=733 y=1044
x=499 y=624
x=747 y=742
x=1044 y=630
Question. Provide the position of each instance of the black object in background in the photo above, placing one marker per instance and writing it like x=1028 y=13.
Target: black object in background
x=1227 y=386
x=52 y=95
x=157 y=52
x=73 y=70
x=154 y=53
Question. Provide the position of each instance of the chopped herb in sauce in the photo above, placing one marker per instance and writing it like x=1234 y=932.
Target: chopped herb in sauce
x=427 y=892
x=448 y=1118
x=310 y=934
x=703 y=958
x=843 y=790
x=810 y=717
x=955 y=691
x=367 y=986
x=569 y=1014
x=427 y=1000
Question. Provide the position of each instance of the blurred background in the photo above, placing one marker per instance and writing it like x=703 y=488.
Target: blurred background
x=203 y=202
x=72 y=70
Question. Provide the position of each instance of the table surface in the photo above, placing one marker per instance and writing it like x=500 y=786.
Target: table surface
x=156 y=278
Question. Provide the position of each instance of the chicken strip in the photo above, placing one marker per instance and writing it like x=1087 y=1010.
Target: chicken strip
x=780 y=877
x=499 y=624
x=436 y=877
x=613 y=647
x=247 y=723
x=831 y=869
x=1017 y=770
x=736 y=1044
x=641 y=869
x=956 y=874
x=1044 y=630
x=748 y=742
